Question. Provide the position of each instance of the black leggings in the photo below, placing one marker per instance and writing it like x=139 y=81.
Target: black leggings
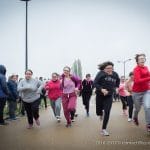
x=124 y=102
x=32 y=110
x=130 y=104
x=86 y=100
x=103 y=103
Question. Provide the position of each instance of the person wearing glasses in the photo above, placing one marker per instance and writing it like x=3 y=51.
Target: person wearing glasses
x=53 y=87
x=70 y=86
x=31 y=89
x=106 y=81
x=141 y=89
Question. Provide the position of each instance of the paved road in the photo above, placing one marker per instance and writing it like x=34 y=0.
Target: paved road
x=84 y=134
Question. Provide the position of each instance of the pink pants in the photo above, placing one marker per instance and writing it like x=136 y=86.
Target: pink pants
x=69 y=104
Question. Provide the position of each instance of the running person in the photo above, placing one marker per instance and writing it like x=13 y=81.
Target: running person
x=141 y=89
x=105 y=82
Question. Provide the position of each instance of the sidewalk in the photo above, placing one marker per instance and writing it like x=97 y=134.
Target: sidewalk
x=84 y=133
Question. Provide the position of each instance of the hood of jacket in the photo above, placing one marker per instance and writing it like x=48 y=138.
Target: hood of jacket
x=2 y=69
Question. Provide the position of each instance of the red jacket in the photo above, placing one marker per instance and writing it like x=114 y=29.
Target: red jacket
x=141 y=79
x=54 y=89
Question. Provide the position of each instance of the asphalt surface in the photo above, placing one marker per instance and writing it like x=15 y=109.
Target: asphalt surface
x=83 y=135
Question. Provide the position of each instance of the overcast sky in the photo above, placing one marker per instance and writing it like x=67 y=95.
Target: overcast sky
x=60 y=31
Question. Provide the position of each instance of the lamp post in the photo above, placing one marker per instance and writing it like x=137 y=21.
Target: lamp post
x=124 y=65
x=26 y=36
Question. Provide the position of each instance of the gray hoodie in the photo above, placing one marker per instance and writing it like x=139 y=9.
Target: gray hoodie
x=30 y=89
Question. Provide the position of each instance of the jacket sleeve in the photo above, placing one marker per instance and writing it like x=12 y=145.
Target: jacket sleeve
x=96 y=82
x=117 y=80
x=4 y=85
x=20 y=87
x=138 y=78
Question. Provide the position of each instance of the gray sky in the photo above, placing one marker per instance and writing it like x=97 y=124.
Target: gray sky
x=61 y=31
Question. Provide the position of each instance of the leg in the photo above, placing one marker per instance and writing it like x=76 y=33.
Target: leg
x=146 y=100
x=72 y=105
x=107 y=107
x=35 y=109
x=130 y=103
x=137 y=100
x=28 y=109
x=2 y=105
x=53 y=107
x=99 y=105
x=58 y=106
x=65 y=102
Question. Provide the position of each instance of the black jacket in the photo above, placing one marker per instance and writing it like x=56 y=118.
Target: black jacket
x=105 y=81
x=87 y=87
x=3 y=84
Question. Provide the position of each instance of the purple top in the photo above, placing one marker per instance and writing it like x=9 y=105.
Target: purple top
x=69 y=86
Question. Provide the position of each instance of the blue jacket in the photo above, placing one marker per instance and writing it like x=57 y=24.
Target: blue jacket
x=13 y=93
x=3 y=84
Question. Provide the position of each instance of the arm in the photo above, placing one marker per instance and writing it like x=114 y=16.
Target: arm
x=96 y=82
x=4 y=85
x=138 y=78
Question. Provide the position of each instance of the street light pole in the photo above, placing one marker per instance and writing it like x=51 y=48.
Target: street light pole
x=26 y=36
x=124 y=65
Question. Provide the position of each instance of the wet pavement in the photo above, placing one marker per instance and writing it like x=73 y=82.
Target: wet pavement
x=83 y=135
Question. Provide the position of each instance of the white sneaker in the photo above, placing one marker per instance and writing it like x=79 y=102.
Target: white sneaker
x=104 y=132
x=129 y=119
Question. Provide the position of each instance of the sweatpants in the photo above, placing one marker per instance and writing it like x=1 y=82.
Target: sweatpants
x=139 y=99
x=69 y=105
x=130 y=104
x=104 y=103
x=32 y=110
x=56 y=106
x=86 y=100
x=2 y=105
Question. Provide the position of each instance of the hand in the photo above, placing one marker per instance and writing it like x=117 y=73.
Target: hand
x=104 y=91
x=76 y=90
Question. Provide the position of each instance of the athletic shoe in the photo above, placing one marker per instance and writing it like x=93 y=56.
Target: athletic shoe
x=129 y=119
x=136 y=122
x=4 y=124
x=87 y=114
x=101 y=117
x=58 y=119
x=104 y=132
x=148 y=128
x=72 y=120
x=68 y=125
x=29 y=126
x=37 y=122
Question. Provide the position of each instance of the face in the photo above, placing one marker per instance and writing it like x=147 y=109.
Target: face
x=88 y=78
x=28 y=75
x=54 y=77
x=141 y=60
x=122 y=79
x=66 y=71
x=14 y=78
x=108 y=69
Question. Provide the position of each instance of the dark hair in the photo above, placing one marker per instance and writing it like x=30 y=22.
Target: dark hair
x=104 y=65
x=29 y=71
x=138 y=55
x=67 y=67
x=54 y=73
x=88 y=75
x=130 y=74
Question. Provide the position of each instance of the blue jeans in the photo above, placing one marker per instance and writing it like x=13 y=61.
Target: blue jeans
x=139 y=99
x=56 y=106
